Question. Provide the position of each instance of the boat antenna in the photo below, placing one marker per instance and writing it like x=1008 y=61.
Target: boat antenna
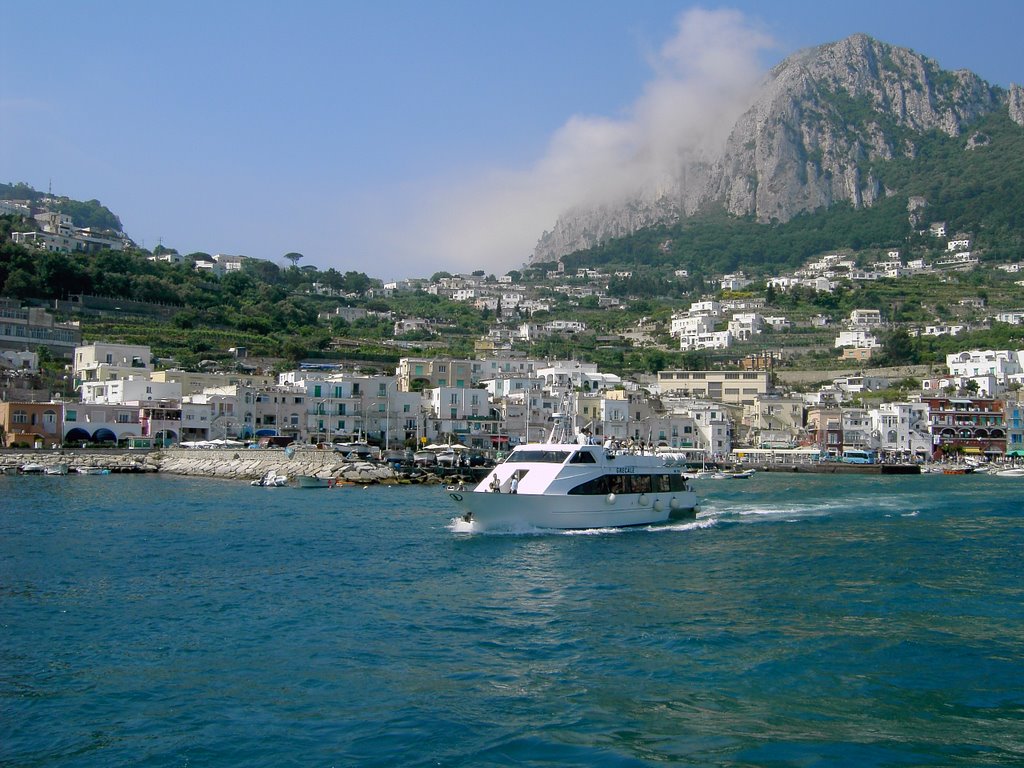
x=563 y=428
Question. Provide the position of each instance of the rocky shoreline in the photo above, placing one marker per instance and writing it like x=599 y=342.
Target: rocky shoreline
x=231 y=464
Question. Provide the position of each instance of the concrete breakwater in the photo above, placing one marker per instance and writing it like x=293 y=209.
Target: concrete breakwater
x=253 y=464
x=12 y=461
x=232 y=464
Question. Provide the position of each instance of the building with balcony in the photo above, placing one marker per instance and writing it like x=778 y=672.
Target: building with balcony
x=30 y=328
x=734 y=387
x=31 y=424
x=109 y=362
x=970 y=426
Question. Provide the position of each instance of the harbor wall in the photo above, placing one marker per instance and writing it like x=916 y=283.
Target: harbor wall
x=235 y=464
x=249 y=464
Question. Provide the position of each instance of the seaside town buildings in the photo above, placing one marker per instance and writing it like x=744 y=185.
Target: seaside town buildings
x=502 y=397
x=495 y=403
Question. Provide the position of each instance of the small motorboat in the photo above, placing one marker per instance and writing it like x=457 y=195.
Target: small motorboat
x=32 y=468
x=313 y=481
x=743 y=475
x=56 y=469
x=271 y=480
x=1012 y=472
x=92 y=471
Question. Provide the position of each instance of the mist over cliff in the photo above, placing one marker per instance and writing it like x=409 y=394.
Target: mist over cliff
x=804 y=137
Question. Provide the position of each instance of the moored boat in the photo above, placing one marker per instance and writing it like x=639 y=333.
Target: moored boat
x=271 y=480
x=314 y=481
x=1011 y=472
x=740 y=475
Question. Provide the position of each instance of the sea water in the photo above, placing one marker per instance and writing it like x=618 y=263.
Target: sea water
x=799 y=620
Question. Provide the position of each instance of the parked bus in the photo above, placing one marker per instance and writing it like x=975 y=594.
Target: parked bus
x=852 y=456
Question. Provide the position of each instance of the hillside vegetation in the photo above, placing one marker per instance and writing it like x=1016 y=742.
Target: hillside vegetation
x=979 y=191
x=273 y=311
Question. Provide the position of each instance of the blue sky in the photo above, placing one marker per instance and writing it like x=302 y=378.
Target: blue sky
x=397 y=138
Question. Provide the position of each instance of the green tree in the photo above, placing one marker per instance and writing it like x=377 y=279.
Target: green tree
x=899 y=349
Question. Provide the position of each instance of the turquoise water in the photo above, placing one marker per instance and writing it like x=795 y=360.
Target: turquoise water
x=799 y=621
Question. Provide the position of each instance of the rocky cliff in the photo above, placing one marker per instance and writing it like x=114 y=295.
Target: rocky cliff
x=816 y=123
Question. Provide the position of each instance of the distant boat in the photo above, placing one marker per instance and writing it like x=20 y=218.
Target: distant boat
x=358 y=451
x=314 y=481
x=32 y=468
x=746 y=473
x=1012 y=472
x=92 y=471
x=424 y=458
x=704 y=474
x=271 y=480
x=56 y=469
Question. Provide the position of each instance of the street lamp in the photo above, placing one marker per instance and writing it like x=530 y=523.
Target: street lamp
x=387 y=415
x=227 y=423
x=318 y=412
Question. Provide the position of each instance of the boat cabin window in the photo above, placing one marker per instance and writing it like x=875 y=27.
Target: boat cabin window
x=660 y=483
x=543 y=457
x=583 y=457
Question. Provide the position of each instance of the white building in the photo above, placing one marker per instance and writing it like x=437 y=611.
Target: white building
x=901 y=430
x=1016 y=317
x=134 y=389
x=565 y=326
x=860 y=339
x=745 y=325
x=713 y=340
x=736 y=282
x=563 y=375
x=865 y=318
x=106 y=362
x=686 y=325
x=1001 y=363
x=710 y=307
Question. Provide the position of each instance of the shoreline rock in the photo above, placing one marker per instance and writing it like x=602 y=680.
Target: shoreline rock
x=230 y=464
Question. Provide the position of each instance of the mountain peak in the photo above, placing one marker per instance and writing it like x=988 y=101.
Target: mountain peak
x=805 y=141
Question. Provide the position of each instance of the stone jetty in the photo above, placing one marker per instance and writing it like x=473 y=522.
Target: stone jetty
x=249 y=464
x=115 y=461
x=227 y=463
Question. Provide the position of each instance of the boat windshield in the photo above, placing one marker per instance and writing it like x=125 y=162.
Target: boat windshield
x=537 y=456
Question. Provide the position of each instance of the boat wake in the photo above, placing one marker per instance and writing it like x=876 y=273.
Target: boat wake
x=784 y=512
x=459 y=525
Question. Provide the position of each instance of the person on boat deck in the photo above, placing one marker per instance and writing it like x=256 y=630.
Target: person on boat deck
x=513 y=487
x=495 y=484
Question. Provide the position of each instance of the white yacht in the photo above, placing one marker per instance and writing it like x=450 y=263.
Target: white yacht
x=574 y=485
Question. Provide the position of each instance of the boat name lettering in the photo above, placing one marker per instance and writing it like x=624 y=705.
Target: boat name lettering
x=625 y=470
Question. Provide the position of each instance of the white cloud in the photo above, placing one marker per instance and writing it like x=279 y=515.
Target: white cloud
x=701 y=82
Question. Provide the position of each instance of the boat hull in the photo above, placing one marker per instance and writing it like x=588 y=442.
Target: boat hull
x=563 y=512
x=312 y=481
